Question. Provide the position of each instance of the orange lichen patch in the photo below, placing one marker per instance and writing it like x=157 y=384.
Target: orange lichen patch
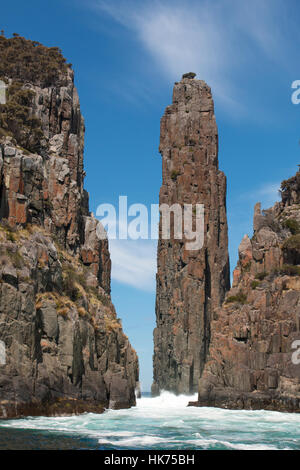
x=21 y=215
x=236 y=276
x=43 y=259
x=89 y=256
x=175 y=329
x=46 y=345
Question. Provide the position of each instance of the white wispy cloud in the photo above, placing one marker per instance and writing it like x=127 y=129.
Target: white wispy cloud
x=204 y=37
x=134 y=262
x=267 y=194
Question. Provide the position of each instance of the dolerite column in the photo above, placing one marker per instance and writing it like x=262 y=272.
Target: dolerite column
x=190 y=283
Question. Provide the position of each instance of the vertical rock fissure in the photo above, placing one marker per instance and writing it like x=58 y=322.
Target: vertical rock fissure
x=206 y=337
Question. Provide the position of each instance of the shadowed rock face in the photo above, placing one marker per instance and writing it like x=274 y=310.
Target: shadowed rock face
x=253 y=360
x=190 y=283
x=65 y=348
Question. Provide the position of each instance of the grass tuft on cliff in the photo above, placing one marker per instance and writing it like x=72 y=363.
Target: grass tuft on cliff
x=261 y=276
x=254 y=284
x=240 y=298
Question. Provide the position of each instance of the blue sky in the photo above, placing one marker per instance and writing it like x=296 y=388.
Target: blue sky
x=126 y=56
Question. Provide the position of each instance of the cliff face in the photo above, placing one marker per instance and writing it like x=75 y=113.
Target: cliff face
x=190 y=283
x=64 y=346
x=254 y=360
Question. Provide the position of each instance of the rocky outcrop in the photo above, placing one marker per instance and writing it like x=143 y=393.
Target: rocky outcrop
x=254 y=358
x=190 y=283
x=64 y=346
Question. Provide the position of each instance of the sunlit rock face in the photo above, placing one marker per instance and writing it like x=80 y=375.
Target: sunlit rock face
x=190 y=283
x=64 y=345
x=254 y=357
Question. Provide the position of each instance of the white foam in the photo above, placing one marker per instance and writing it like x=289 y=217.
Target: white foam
x=166 y=400
x=165 y=422
x=138 y=441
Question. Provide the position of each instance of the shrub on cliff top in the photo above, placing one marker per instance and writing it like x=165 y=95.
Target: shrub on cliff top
x=30 y=61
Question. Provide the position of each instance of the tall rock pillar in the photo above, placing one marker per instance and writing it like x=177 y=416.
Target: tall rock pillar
x=190 y=283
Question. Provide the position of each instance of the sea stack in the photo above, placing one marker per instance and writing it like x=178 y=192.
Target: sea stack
x=254 y=358
x=190 y=283
x=62 y=348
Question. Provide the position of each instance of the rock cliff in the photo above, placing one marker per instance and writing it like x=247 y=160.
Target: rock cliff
x=190 y=283
x=254 y=357
x=62 y=346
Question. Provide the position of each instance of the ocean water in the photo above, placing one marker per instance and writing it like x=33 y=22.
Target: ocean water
x=164 y=423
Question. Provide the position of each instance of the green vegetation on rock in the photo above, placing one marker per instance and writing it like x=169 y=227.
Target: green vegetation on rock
x=292 y=243
x=30 y=61
x=239 y=298
x=289 y=270
x=261 y=276
x=254 y=284
x=293 y=225
x=16 y=118
x=174 y=175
